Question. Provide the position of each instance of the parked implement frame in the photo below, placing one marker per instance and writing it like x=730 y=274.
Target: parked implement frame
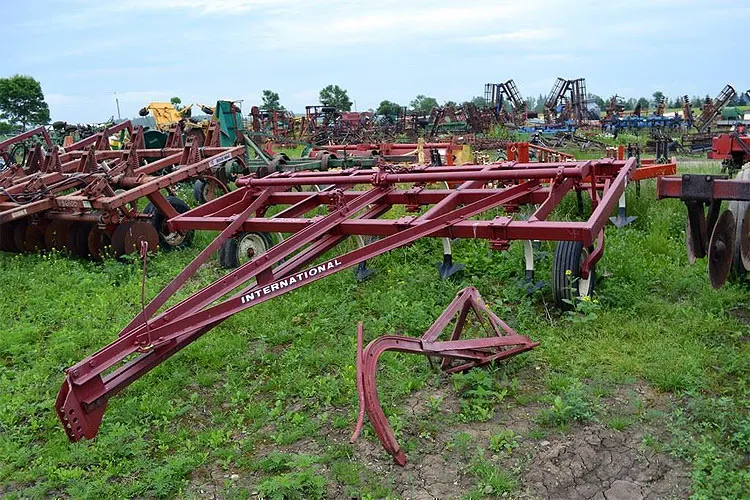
x=356 y=201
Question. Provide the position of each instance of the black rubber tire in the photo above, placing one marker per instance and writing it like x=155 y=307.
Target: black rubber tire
x=568 y=257
x=198 y=195
x=737 y=270
x=228 y=254
x=159 y=221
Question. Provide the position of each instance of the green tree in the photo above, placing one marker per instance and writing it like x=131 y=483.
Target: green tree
x=423 y=104
x=335 y=96
x=22 y=101
x=6 y=128
x=271 y=101
x=176 y=102
x=643 y=102
x=540 y=103
x=658 y=96
x=597 y=100
x=388 y=108
x=478 y=101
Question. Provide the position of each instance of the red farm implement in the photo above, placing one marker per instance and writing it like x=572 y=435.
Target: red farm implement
x=435 y=153
x=357 y=203
x=84 y=199
x=13 y=151
x=722 y=236
x=732 y=149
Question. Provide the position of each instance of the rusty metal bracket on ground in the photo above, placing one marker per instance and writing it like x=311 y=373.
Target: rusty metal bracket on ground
x=501 y=342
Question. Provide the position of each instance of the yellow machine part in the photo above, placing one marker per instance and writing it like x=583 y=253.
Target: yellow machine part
x=164 y=114
x=464 y=156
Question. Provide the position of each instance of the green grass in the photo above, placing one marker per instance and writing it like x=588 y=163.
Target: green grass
x=270 y=394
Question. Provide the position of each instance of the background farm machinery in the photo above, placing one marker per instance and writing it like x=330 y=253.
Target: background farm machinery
x=567 y=103
x=85 y=199
x=167 y=117
x=506 y=102
x=662 y=123
x=732 y=149
x=13 y=151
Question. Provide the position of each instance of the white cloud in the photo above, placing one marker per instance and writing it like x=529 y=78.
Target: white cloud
x=394 y=22
x=521 y=35
x=224 y=7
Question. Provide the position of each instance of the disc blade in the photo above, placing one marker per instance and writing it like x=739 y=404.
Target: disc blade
x=118 y=237
x=721 y=249
x=138 y=232
x=55 y=235
x=6 y=238
x=99 y=243
x=82 y=240
x=34 y=238
x=70 y=236
x=19 y=235
x=745 y=240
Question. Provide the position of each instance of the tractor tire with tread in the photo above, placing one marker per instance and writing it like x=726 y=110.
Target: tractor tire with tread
x=230 y=252
x=569 y=256
x=170 y=241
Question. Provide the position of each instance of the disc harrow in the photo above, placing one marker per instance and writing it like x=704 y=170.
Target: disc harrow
x=356 y=203
x=84 y=199
x=722 y=236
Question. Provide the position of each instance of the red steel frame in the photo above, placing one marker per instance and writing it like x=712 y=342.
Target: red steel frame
x=734 y=148
x=453 y=213
x=55 y=173
x=710 y=188
x=7 y=144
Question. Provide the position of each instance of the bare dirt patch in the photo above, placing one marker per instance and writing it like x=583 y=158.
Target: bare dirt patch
x=592 y=462
x=586 y=461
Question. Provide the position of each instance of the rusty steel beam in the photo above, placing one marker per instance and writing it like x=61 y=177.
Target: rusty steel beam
x=704 y=188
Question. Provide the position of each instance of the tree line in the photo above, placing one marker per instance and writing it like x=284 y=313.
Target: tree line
x=22 y=102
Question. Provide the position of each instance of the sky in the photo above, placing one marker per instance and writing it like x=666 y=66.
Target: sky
x=86 y=52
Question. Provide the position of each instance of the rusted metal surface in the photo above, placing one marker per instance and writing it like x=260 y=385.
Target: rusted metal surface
x=94 y=190
x=723 y=236
x=355 y=200
x=732 y=149
x=500 y=342
x=703 y=188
